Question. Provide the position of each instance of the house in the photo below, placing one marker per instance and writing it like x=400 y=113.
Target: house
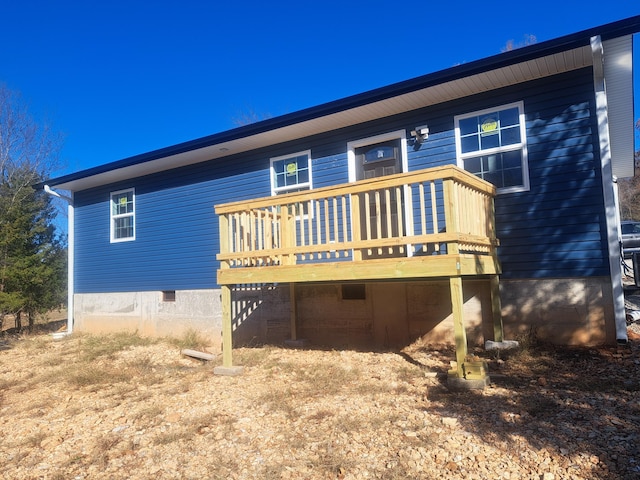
x=462 y=205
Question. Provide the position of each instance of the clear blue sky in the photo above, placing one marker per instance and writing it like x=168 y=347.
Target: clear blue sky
x=121 y=78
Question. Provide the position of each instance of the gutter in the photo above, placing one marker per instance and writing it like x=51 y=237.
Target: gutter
x=70 y=256
x=609 y=190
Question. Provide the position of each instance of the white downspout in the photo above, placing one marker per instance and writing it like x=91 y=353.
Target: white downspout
x=608 y=187
x=70 y=253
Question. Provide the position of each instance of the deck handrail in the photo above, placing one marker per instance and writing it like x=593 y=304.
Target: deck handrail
x=427 y=212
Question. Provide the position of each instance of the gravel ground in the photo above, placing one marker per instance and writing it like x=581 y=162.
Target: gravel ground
x=80 y=408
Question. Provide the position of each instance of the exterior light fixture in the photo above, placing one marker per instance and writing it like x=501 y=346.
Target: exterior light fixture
x=420 y=134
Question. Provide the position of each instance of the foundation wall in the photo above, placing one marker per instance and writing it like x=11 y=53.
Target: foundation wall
x=576 y=311
x=379 y=315
x=148 y=314
x=391 y=314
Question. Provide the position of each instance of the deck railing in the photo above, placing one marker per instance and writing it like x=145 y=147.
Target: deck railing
x=442 y=210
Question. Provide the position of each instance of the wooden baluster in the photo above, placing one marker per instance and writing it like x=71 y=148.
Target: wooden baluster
x=251 y=236
x=327 y=228
x=238 y=232
x=310 y=215
x=268 y=238
x=399 y=216
x=366 y=215
x=389 y=223
x=277 y=233
x=336 y=240
x=318 y=229
x=230 y=236
x=292 y=208
x=423 y=214
x=260 y=240
x=345 y=235
x=303 y=236
x=356 y=233
x=246 y=236
x=378 y=219
x=434 y=213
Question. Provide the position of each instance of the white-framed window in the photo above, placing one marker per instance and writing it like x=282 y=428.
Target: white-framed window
x=492 y=144
x=291 y=173
x=122 y=213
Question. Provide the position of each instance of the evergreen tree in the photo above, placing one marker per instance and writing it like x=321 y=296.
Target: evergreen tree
x=32 y=254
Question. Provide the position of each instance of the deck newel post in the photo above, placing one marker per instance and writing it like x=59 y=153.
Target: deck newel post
x=496 y=309
x=452 y=225
x=457 y=301
x=292 y=310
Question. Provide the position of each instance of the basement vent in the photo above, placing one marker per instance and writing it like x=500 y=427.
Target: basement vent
x=354 y=291
x=168 y=295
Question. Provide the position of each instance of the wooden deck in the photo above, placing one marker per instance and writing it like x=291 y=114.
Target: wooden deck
x=437 y=222
x=431 y=223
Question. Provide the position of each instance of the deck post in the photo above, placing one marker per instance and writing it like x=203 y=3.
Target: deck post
x=496 y=309
x=457 y=301
x=292 y=310
x=227 y=367
x=451 y=220
x=227 y=347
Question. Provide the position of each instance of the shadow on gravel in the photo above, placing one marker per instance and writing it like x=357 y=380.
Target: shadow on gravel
x=38 y=329
x=583 y=404
x=8 y=335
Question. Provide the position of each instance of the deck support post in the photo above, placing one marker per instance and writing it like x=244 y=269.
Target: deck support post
x=227 y=367
x=293 y=310
x=227 y=355
x=457 y=301
x=496 y=309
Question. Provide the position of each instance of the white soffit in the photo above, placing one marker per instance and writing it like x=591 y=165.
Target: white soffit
x=618 y=75
x=482 y=82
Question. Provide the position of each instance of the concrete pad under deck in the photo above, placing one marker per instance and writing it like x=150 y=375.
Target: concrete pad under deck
x=228 y=371
x=298 y=343
x=462 y=384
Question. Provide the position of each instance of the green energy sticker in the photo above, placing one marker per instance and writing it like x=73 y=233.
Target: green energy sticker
x=489 y=125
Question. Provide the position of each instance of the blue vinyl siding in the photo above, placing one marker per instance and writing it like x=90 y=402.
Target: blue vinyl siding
x=557 y=229
x=176 y=229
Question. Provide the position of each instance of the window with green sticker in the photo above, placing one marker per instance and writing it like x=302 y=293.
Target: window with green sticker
x=291 y=173
x=492 y=144
x=122 y=215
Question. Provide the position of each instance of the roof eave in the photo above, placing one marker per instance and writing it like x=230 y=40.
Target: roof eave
x=213 y=146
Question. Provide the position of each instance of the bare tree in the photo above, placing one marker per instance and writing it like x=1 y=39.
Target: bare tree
x=25 y=146
x=629 y=190
x=249 y=116
x=528 y=39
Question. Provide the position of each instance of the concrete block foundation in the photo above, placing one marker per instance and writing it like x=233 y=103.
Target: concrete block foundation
x=151 y=314
x=574 y=311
